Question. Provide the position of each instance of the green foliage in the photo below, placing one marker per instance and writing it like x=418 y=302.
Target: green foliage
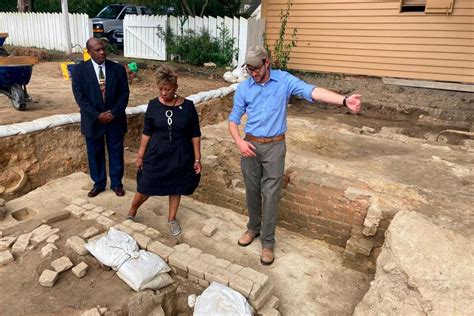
x=196 y=49
x=282 y=49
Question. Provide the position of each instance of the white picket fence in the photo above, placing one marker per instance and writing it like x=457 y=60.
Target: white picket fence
x=45 y=30
x=143 y=35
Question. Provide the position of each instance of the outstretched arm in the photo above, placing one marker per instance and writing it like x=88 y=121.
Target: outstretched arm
x=353 y=102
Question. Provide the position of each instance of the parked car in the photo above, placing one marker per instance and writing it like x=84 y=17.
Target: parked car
x=117 y=37
x=110 y=19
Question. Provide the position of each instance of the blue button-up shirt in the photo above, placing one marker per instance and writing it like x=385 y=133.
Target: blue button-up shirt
x=265 y=104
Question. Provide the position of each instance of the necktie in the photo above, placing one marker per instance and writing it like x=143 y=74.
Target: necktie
x=102 y=82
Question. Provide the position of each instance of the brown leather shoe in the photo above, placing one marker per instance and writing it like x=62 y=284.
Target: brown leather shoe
x=247 y=238
x=267 y=257
x=94 y=192
x=119 y=191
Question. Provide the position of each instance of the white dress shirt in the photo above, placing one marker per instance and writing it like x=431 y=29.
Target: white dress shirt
x=96 y=68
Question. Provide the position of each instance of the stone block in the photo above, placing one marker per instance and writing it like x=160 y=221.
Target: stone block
x=61 y=264
x=21 y=244
x=98 y=209
x=194 y=252
x=255 y=292
x=204 y=283
x=89 y=215
x=79 y=202
x=105 y=221
x=222 y=263
x=128 y=223
x=124 y=229
x=141 y=240
x=48 y=250
x=138 y=227
x=48 y=278
x=182 y=273
x=360 y=245
x=108 y=213
x=207 y=258
x=273 y=302
x=75 y=210
x=89 y=232
x=197 y=268
x=240 y=284
x=96 y=237
x=77 y=244
x=180 y=260
x=209 y=229
x=6 y=257
x=182 y=247
x=89 y=206
x=52 y=239
x=55 y=217
x=91 y=312
x=152 y=233
x=235 y=268
x=217 y=274
x=80 y=270
x=160 y=249
x=268 y=311
x=255 y=276
x=2 y=202
x=41 y=236
x=193 y=278
x=261 y=299
x=6 y=242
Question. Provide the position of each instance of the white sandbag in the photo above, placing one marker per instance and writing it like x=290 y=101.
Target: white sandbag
x=27 y=127
x=60 y=119
x=158 y=282
x=8 y=130
x=142 y=107
x=219 y=299
x=142 y=269
x=114 y=248
x=133 y=110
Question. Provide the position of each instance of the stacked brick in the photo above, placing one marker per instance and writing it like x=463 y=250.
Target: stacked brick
x=201 y=268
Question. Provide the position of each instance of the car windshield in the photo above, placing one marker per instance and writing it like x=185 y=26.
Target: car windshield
x=110 y=12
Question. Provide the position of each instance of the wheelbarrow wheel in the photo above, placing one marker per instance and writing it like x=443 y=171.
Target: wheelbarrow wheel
x=18 y=97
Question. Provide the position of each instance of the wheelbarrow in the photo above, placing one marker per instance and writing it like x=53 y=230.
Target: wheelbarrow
x=15 y=74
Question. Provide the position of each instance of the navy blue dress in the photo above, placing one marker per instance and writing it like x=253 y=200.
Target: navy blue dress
x=168 y=163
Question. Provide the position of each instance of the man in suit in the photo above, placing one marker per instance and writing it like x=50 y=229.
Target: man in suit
x=100 y=88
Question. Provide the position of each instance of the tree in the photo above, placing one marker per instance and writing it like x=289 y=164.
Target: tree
x=25 y=5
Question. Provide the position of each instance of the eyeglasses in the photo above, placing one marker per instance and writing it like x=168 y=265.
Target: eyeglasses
x=252 y=70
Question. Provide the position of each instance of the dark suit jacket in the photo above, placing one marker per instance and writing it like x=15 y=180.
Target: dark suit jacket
x=87 y=94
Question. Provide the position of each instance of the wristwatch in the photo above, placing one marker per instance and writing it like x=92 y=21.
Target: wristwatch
x=344 y=102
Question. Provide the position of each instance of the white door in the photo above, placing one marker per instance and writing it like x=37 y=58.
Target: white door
x=143 y=36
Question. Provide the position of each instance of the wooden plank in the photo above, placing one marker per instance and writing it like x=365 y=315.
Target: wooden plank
x=315 y=26
x=430 y=84
x=376 y=19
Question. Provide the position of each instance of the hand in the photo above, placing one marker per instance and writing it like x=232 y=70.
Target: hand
x=197 y=167
x=139 y=164
x=353 y=102
x=105 y=117
x=246 y=149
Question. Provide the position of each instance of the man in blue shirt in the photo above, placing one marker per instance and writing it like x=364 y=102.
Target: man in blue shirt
x=264 y=98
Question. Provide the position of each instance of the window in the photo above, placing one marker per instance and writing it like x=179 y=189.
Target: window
x=128 y=10
x=427 y=6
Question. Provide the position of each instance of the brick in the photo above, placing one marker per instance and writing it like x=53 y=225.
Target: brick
x=89 y=232
x=182 y=247
x=105 y=222
x=268 y=311
x=240 y=284
x=89 y=215
x=21 y=244
x=96 y=237
x=77 y=244
x=209 y=229
x=182 y=273
x=207 y=258
x=203 y=283
x=48 y=250
x=180 y=260
x=89 y=206
x=56 y=217
x=255 y=276
x=6 y=242
x=79 y=202
x=255 y=292
x=273 y=302
x=152 y=233
x=75 y=210
x=193 y=278
x=5 y=258
x=48 y=278
x=222 y=263
x=360 y=245
x=108 y=213
x=194 y=252
x=138 y=227
x=141 y=240
x=91 y=312
x=217 y=274
x=80 y=270
x=197 y=268
x=98 y=209
x=124 y=229
x=235 y=268
x=52 y=239
x=262 y=297
x=61 y=264
x=160 y=249
x=42 y=235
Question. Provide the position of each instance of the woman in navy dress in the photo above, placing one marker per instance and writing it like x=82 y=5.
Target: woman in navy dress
x=168 y=161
